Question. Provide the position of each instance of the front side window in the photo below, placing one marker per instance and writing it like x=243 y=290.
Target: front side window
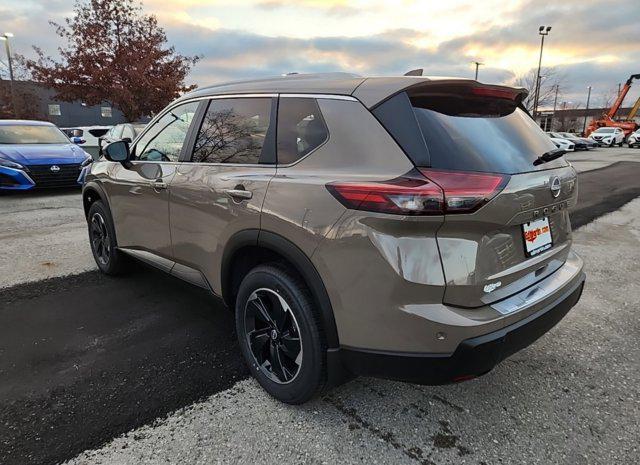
x=301 y=128
x=233 y=131
x=164 y=140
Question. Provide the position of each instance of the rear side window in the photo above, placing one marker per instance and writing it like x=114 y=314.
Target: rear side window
x=233 y=131
x=301 y=128
x=467 y=133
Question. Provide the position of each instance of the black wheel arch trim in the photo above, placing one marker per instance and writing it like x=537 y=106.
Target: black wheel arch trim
x=99 y=190
x=302 y=263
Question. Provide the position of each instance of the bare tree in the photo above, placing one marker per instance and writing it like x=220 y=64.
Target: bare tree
x=19 y=68
x=549 y=79
x=565 y=123
x=607 y=97
x=225 y=135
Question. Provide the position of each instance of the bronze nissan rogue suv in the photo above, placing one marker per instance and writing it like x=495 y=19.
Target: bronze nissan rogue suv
x=410 y=228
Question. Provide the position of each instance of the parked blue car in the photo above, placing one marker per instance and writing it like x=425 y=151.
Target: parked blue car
x=35 y=154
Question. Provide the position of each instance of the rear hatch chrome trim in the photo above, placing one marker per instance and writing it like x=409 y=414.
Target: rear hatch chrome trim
x=543 y=289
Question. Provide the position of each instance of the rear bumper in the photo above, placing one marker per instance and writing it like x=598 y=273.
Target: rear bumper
x=473 y=357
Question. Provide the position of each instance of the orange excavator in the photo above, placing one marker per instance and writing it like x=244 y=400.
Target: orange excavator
x=628 y=125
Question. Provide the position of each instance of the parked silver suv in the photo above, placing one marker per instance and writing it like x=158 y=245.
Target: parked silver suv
x=410 y=228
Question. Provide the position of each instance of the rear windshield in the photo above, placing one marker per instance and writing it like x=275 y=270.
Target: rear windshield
x=475 y=134
x=24 y=134
x=605 y=130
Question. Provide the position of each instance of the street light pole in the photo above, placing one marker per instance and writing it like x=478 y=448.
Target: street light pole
x=584 y=125
x=478 y=64
x=543 y=31
x=555 y=102
x=7 y=48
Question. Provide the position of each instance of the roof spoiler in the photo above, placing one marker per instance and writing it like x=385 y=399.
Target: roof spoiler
x=414 y=72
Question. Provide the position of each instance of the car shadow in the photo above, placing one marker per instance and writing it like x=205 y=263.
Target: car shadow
x=97 y=356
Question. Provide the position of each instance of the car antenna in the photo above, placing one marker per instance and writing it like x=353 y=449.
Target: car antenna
x=414 y=72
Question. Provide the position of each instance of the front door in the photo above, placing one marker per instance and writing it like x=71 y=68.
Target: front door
x=220 y=188
x=139 y=191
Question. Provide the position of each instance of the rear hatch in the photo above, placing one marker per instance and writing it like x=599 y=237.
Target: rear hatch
x=516 y=231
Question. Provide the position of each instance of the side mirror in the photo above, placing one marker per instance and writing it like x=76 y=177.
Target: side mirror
x=117 y=151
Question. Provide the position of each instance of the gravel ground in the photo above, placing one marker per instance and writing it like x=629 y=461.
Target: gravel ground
x=133 y=357
x=43 y=235
x=571 y=398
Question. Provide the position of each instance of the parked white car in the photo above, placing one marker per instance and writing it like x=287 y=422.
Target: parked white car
x=634 y=139
x=578 y=144
x=563 y=144
x=90 y=136
x=608 y=136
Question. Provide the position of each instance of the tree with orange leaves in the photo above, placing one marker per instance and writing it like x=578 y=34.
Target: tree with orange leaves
x=114 y=53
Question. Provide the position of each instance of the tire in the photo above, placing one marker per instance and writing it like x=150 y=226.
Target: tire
x=299 y=371
x=102 y=239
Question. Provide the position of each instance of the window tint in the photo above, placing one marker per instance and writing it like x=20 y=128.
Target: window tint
x=467 y=133
x=164 y=141
x=233 y=131
x=476 y=141
x=301 y=128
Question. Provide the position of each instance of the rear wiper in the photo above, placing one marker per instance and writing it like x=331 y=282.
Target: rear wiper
x=548 y=156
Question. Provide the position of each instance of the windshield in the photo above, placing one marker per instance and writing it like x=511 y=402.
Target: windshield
x=25 y=134
x=605 y=130
x=567 y=135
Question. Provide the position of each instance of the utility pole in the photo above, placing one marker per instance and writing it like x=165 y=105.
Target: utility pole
x=584 y=125
x=7 y=49
x=619 y=84
x=555 y=102
x=542 y=31
x=478 y=64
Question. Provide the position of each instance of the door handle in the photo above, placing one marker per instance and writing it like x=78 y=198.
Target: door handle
x=158 y=184
x=239 y=194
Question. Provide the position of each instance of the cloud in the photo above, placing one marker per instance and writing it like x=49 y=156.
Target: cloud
x=592 y=42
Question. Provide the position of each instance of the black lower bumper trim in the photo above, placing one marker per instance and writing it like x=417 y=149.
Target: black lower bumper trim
x=473 y=357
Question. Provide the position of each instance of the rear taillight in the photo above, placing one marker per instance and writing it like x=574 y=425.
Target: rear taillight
x=465 y=192
x=411 y=194
x=421 y=192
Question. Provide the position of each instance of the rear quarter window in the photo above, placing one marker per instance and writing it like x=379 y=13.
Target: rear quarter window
x=301 y=128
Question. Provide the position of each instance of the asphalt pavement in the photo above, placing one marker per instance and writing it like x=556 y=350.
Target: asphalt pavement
x=145 y=368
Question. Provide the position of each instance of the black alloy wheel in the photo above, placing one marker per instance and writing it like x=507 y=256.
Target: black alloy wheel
x=273 y=336
x=100 y=241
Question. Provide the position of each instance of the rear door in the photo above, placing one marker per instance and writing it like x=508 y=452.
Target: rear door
x=520 y=232
x=219 y=188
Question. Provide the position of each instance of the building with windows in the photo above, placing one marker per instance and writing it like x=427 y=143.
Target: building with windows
x=34 y=101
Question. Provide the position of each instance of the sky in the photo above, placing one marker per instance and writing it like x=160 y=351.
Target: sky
x=592 y=43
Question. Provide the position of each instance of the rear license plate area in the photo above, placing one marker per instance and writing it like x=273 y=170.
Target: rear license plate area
x=537 y=236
